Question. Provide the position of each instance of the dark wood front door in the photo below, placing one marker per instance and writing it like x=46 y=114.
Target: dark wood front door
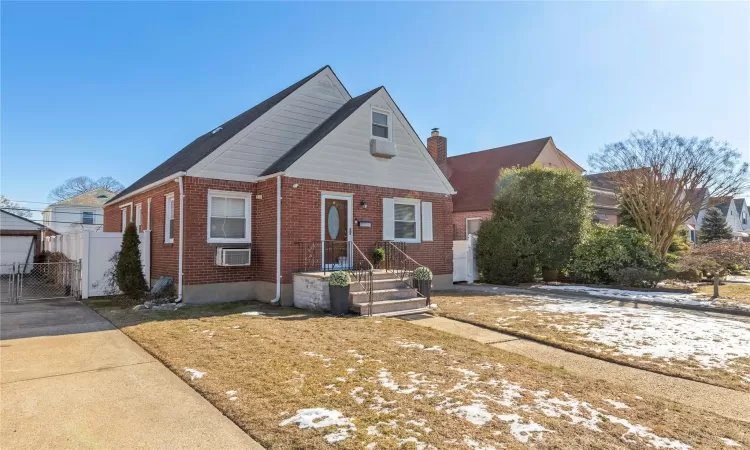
x=335 y=230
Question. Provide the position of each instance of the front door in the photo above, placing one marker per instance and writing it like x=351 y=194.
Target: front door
x=336 y=231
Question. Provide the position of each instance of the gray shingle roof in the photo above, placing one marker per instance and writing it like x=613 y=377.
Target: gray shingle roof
x=210 y=141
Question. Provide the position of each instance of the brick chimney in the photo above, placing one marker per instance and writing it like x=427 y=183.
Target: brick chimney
x=438 y=147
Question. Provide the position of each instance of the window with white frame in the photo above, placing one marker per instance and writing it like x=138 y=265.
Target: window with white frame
x=87 y=218
x=228 y=216
x=406 y=220
x=124 y=213
x=472 y=226
x=138 y=217
x=381 y=122
x=169 y=219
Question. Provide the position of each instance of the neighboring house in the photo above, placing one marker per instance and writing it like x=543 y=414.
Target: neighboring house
x=236 y=212
x=604 y=198
x=475 y=175
x=20 y=240
x=736 y=213
x=82 y=212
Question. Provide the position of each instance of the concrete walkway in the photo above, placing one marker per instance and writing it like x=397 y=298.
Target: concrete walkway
x=69 y=379
x=718 y=400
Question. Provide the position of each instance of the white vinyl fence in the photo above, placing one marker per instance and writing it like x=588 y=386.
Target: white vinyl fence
x=94 y=249
x=464 y=260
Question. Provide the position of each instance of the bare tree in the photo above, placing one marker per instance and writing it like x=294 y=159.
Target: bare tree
x=14 y=207
x=664 y=179
x=79 y=185
x=717 y=258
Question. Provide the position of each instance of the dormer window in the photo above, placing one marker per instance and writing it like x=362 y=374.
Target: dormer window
x=381 y=122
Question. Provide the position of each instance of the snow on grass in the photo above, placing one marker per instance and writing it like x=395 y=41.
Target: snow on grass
x=317 y=355
x=253 y=313
x=616 y=404
x=649 y=296
x=194 y=374
x=738 y=279
x=323 y=418
x=407 y=344
x=730 y=443
x=654 y=333
x=475 y=413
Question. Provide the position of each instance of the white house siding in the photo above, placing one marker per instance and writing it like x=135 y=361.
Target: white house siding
x=11 y=222
x=67 y=218
x=246 y=155
x=344 y=155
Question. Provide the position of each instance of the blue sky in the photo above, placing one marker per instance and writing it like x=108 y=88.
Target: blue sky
x=113 y=89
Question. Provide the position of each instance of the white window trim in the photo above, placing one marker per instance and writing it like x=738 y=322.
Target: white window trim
x=138 y=216
x=168 y=197
x=148 y=215
x=467 y=223
x=389 y=115
x=123 y=219
x=247 y=196
x=417 y=219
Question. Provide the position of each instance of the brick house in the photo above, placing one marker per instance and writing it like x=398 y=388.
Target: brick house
x=233 y=214
x=475 y=175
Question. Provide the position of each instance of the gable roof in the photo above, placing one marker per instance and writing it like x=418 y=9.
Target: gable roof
x=319 y=133
x=738 y=202
x=474 y=175
x=90 y=198
x=38 y=225
x=202 y=146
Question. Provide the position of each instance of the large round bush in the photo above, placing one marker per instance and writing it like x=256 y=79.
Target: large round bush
x=605 y=252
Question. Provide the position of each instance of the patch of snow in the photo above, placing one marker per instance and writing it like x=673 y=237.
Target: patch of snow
x=371 y=445
x=650 y=296
x=230 y=393
x=253 y=313
x=523 y=431
x=616 y=404
x=322 y=418
x=476 y=445
x=475 y=413
x=232 y=399
x=194 y=374
x=338 y=436
x=433 y=305
x=235 y=327
x=317 y=355
x=470 y=314
x=355 y=394
x=407 y=344
x=737 y=279
x=385 y=379
x=351 y=370
x=655 y=333
x=730 y=443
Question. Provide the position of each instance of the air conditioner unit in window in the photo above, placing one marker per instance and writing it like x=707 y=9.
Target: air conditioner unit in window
x=233 y=257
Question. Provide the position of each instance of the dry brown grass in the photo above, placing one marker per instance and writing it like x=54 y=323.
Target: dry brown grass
x=729 y=292
x=507 y=314
x=263 y=359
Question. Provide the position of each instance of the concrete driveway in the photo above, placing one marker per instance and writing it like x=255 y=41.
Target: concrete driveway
x=69 y=379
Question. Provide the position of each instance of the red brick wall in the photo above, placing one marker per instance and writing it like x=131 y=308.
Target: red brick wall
x=301 y=213
x=301 y=219
x=459 y=221
x=163 y=256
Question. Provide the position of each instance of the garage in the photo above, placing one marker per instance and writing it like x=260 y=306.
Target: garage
x=19 y=241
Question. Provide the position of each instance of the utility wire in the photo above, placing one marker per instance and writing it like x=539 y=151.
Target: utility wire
x=42 y=210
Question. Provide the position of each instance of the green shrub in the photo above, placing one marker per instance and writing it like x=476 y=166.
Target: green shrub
x=378 y=255
x=128 y=270
x=689 y=275
x=500 y=253
x=681 y=241
x=608 y=250
x=422 y=274
x=636 y=277
x=339 y=278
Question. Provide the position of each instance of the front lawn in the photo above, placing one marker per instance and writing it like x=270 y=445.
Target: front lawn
x=669 y=341
x=297 y=380
x=730 y=293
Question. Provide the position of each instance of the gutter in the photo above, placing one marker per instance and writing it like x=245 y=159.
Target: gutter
x=164 y=180
x=277 y=299
x=182 y=240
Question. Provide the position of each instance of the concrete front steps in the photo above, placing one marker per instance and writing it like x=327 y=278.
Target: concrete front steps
x=390 y=297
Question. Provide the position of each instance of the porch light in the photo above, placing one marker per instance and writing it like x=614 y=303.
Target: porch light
x=363 y=204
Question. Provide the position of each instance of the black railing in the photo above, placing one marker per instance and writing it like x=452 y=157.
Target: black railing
x=402 y=266
x=330 y=256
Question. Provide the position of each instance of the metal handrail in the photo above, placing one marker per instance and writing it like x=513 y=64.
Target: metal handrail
x=364 y=275
x=402 y=269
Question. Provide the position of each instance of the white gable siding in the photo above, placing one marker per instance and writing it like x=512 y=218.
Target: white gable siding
x=246 y=155
x=344 y=154
x=10 y=222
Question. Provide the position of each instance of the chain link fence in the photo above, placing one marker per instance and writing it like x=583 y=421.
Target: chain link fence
x=39 y=281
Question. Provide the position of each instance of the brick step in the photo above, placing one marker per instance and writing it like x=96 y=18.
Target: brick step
x=381 y=274
x=390 y=306
x=387 y=283
x=382 y=295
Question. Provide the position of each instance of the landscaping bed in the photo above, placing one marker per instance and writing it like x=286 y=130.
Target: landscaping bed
x=294 y=380
x=693 y=346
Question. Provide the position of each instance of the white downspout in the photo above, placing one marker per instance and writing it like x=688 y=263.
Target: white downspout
x=277 y=300
x=179 y=261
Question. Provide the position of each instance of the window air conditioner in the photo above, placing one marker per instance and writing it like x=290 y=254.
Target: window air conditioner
x=233 y=257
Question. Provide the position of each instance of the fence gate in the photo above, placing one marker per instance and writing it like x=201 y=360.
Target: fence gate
x=38 y=281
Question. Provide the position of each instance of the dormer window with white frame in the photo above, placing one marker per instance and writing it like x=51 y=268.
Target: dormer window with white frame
x=381 y=124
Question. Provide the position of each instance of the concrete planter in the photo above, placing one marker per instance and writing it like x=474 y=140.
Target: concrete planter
x=424 y=287
x=339 y=299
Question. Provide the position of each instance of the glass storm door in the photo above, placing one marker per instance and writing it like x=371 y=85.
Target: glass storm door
x=336 y=231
